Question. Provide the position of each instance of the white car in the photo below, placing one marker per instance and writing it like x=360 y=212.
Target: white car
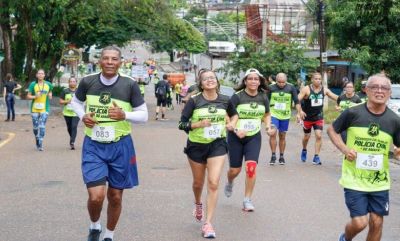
x=394 y=101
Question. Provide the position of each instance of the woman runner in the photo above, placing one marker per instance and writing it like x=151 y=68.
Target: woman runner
x=252 y=105
x=204 y=117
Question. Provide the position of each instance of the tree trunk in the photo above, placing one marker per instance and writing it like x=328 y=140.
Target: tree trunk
x=5 y=29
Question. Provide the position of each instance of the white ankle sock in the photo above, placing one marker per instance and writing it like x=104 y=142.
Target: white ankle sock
x=95 y=225
x=109 y=234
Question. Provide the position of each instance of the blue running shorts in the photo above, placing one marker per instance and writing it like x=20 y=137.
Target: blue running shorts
x=361 y=203
x=114 y=162
x=281 y=125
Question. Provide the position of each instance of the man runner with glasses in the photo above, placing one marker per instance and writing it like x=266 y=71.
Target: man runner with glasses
x=371 y=129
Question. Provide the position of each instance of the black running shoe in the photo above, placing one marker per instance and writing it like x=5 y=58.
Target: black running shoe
x=273 y=160
x=107 y=239
x=281 y=160
x=94 y=235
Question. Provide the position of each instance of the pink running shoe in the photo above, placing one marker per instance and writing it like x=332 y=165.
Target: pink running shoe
x=208 y=231
x=198 y=212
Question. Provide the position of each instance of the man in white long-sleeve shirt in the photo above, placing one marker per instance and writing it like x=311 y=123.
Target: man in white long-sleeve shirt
x=113 y=102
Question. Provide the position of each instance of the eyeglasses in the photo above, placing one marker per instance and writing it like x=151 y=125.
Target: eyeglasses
x=376 y=88
x=209 y=78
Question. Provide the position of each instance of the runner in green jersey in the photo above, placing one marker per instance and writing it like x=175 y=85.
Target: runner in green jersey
x=40 y=92
x=244 y=139
x=204 y=117
x=348 y=99
x=113 y=102
x=281 y=97
x=371 y=130
x=71 y=119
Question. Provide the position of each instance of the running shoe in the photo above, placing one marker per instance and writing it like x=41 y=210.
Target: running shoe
x=316 y=160
x=228 y=189
x=94 y=235
x=281 y=160
x=272 y=161
x=303 y=155
x=72 y=146
x=198 y=212
x=248 y=205
x=107 y=239
x=342 y=238
x=208 y=231
x=37 y=144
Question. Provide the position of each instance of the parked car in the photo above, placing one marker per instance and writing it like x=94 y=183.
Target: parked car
x=394 y=101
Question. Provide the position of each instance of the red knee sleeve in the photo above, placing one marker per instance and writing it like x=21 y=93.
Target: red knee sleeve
x=251 y=168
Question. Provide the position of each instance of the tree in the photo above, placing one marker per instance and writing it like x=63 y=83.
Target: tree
x=271 y=58
x=367 y=33
x=44 y=28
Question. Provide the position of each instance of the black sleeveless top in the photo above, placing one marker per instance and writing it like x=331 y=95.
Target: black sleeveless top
x=313 y=105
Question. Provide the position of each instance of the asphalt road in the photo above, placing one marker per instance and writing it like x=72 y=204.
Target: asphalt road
x=42 y=197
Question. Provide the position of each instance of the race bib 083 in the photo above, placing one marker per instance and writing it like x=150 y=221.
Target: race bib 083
x=103 y=133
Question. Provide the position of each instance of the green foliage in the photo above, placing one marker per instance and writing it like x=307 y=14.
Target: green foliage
x=367 y=33
x=223 y=17
x=271 y=58
x=57 y=90
x=45 y=27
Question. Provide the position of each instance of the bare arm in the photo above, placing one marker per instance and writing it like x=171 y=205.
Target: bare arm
x=331 y=95
x=267 y=122
x=230 y=126
x=17 y=88
x=300 y=113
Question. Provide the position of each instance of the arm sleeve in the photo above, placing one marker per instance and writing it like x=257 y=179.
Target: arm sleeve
x=136 y=96
x=138 y=115
x=78 y=107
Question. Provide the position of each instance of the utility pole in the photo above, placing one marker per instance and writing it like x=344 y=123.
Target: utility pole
x=323 y=58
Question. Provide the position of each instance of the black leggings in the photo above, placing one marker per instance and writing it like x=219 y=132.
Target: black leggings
x=72 y=126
